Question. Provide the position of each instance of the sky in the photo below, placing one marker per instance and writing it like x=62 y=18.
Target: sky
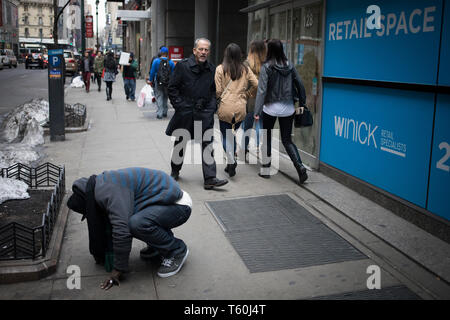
x=101 y=14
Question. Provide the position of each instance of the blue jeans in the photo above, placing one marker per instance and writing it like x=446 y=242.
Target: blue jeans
x=248 y=124
x=161 y=101
x=224 y=128
x=153 y=226
x=130 y=88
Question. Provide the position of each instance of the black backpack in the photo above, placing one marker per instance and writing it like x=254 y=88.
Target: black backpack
x=163 y=75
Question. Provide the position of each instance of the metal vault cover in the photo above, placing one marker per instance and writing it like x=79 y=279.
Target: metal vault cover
x=275 y=232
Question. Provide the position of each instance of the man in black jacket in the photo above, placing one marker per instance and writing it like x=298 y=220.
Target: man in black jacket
x=86 y=67
x=192 y=93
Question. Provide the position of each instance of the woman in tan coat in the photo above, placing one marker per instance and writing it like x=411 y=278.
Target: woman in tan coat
x=235 y=83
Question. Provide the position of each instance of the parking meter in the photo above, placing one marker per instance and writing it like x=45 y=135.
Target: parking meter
x=56 y=94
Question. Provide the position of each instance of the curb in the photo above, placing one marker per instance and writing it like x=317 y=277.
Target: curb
x=32 y=270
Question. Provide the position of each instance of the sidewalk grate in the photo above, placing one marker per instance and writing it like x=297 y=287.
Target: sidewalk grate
x=274 y=233
x=391 y=293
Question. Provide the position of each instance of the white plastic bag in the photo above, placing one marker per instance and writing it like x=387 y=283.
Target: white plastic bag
x=145 y=98
x=77 y=82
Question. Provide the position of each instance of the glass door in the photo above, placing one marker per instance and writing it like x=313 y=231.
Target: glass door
x=299 y=27
x=307 y=58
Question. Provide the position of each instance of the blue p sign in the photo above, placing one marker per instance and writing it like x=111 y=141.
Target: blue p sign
x=55 y=61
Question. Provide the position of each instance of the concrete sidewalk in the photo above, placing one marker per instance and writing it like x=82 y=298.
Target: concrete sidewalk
x=122 y=135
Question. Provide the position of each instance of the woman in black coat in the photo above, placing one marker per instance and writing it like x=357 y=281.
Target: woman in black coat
x=278 y=88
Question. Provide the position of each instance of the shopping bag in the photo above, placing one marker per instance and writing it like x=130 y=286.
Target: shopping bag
x=103 y=73
x=145 y=96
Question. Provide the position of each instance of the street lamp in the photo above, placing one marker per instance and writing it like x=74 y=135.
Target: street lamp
x=96 y=13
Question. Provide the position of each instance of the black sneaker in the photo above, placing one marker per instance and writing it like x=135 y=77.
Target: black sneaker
x=214 y=182
x=148 y=253
x=175 y=175
x=170 y=267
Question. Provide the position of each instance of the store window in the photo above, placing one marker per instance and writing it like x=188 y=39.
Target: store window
x=299 y=27
x=257 y=25
x=307 y=58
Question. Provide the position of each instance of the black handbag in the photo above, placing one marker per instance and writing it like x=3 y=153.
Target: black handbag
x=304 y=119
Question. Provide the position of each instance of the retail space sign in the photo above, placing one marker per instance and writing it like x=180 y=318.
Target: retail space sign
x=176 y=53
x=404 y=49
x=439 y=190
x=89 y=26
x=444 y=65
x=381 y=136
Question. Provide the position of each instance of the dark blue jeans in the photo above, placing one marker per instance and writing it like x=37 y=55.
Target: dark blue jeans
x=224 y=128
x=153 y=226
x=130 y=88
x=247 y=125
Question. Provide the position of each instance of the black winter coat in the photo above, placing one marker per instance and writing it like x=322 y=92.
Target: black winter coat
x=91 y=64
x=192 y=93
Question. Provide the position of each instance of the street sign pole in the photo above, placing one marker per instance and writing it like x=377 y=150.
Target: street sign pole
x=56 y=92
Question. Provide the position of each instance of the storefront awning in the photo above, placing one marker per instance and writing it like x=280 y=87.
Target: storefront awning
x=134 y=15
x=261 y=5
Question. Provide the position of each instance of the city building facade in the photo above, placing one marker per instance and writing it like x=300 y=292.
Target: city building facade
x=9 y=25
x=379 y=94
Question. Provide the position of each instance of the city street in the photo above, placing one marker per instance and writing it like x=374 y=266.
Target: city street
x=19 y=85
x=255 y=239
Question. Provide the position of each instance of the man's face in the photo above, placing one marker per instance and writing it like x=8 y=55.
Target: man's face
x=201 y=53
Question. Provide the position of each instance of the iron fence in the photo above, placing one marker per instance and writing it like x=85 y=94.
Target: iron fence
x=21 y=242
x=75 y=115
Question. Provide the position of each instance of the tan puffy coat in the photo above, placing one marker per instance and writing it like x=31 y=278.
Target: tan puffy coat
x=234 y=101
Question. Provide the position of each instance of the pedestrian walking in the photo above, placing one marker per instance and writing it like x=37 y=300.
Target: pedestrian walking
x=279 y=86
x=235 y=83
x=132 y=203
x=99 y=65
x=192 y=93
x=87 y=67
x=255 y=59
x=159 y=78
x=129 y=77
x=110 y=74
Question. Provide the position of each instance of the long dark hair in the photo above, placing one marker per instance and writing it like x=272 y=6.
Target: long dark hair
x=232 y=61
x=110 y=62
x=275 y=52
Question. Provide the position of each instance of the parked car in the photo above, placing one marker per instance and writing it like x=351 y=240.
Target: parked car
x=8 y=58
x=1 y=65
x=35 y=60
x=45 y=58
x=71 y=62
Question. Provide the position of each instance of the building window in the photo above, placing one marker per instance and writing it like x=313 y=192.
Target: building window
x=27 y=33
x=40 y=21
x=40 y=9
x=25 y=19
x=25 y=7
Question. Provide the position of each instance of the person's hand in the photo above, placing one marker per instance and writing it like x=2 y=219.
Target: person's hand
x=256 y=117
x=114 y=279
x=299 y=110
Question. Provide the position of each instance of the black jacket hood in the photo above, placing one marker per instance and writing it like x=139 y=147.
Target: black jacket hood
x=284 y=70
